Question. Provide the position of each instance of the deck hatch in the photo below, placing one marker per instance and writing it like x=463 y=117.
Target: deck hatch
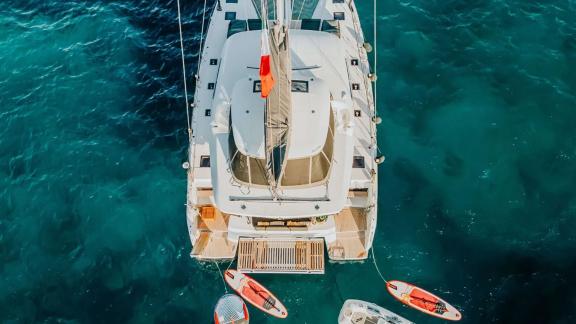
x=358 y=162
x=237 y=26
x=205 y=161
x=310 y=24
x=230 y=15
x=254 y=24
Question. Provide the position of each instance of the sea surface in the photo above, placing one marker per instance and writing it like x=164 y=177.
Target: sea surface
x=477 y=195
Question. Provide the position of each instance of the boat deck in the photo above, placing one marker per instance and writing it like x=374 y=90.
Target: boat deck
x=210 y=239
x=360 y=87
x=350 y=241
x=212 y=242
x=213 y=246
x=281 y=256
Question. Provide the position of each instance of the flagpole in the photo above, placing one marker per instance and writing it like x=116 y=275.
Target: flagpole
x=288 y=12
x=264 y=13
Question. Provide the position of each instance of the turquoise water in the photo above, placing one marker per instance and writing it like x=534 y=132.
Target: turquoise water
x=477 y=195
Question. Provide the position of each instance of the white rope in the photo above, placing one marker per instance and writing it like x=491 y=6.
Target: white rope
x=257 y=10
x=229 y=264
x=375 y=18
x=201 y=40
x=184 y=73
x=376 y=266
x=222 y=276
x=375 y=57
x=301 y=8
x=264 y=16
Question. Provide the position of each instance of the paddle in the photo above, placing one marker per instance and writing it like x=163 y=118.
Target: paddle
x=265 y=296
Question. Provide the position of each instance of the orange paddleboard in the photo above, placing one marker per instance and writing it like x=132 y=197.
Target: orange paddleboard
x=255 y=293
x=422 y=300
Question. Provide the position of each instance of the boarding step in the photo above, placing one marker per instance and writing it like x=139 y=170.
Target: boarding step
x=261 y=255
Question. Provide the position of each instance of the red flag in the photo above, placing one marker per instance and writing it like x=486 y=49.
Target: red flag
x=266 y=78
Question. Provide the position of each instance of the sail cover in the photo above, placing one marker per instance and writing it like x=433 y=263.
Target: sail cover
x=278 y=104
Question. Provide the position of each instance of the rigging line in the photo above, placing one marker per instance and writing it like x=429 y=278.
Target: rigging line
x=301 y=8
x=256 y=8
x=230 y=264
x=184 y=73
x=201 y=40
x=221 y=276
x=265 y=16
x=287 y=18
x=375 y=56
x=376 y=266
x=375 y=72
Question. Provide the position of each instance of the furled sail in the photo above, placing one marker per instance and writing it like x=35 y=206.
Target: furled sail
x=278 y=104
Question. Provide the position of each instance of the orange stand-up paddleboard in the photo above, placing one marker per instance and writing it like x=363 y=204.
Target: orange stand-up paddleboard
x=255 y=293
x=422 y=300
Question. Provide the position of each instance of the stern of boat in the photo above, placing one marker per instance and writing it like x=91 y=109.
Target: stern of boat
x=207 y=225
x=272 y=245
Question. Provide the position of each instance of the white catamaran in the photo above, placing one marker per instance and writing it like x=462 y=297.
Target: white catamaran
x=283 y=155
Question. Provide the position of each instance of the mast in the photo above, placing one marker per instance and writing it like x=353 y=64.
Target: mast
x=279 y=102
x=284 y=12
x=280 y=11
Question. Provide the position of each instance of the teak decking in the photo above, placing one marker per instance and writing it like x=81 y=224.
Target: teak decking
x=350 y=235
x=281 y=256
x=212 y=242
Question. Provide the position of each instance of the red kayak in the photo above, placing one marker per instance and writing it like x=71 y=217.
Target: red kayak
x=422 y=300
x=255 y=293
